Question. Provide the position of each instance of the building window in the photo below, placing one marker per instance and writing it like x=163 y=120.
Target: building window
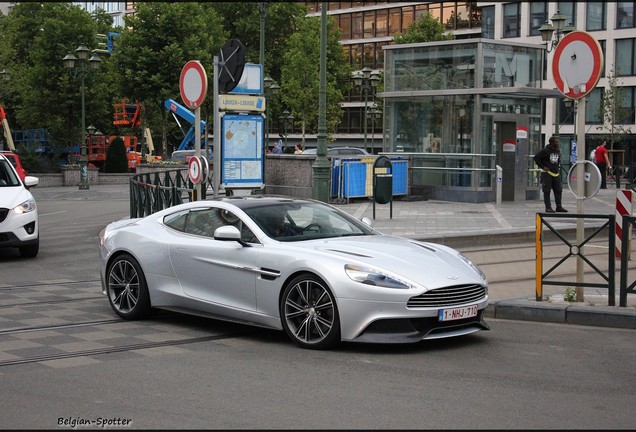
x=356 y=26
x=407 y=17
x=538 y=16
x=382 y=23
x=627 y=108
x=593 y=106
x=625 y=57
x=488 y=22
x=511 y=20
x=369 y=24
x=568 y=9
x=345 y=26
x=395 y=26
x=595 y=16
x=625 y=15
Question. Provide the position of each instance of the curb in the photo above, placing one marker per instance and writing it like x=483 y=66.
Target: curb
x=563 y=313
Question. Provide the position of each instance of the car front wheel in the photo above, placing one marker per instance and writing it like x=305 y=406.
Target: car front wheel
x=309 y=313
x=127 y=288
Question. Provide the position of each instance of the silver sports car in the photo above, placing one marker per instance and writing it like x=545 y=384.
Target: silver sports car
x=298 y=265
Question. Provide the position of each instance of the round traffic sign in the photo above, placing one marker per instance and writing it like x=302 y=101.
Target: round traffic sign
x=577 y=64
x=193 y=84
x=591 y=179
x=195 y=171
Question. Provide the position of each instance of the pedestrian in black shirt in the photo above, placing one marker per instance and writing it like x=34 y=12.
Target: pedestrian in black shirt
x=549 y=160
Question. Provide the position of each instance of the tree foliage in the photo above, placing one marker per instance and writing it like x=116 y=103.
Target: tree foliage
x=300 y=76
x=35 y=38
x=614 y=112
x=426 y=28
x=155 y=45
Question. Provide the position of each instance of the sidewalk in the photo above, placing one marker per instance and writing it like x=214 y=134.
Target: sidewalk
x=465 y=225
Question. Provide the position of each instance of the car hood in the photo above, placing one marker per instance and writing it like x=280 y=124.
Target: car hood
x=13 y=196
x=428 y=264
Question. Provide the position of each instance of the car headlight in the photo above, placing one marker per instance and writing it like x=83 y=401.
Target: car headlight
x=26 y=207
x=374 y=277
x=473 y=266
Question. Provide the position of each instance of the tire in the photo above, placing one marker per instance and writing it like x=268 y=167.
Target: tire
x=309 y=313
x=30 y=251
x=127 y=289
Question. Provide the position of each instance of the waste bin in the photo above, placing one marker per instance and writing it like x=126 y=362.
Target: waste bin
x=383 y=183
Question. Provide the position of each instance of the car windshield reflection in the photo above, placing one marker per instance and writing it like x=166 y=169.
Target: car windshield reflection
x=293 y=222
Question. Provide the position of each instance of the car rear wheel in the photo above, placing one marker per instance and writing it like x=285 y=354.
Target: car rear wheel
x=127 y=288
x=30 y=251
x=309 y=313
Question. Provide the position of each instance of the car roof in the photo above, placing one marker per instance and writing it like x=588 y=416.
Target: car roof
x=252 y=201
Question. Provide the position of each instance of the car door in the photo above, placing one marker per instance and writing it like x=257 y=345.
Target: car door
x=219 y=272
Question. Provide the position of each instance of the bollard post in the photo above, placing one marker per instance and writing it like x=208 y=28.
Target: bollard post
x=499 y=180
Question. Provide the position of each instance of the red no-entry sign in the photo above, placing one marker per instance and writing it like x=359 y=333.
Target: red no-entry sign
x=577 y=65
x=193 y=84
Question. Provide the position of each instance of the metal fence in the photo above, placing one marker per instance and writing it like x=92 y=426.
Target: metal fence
x=151 y=192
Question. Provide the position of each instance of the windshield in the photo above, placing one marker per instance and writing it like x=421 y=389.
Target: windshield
x=7 y=175
x=295 y=221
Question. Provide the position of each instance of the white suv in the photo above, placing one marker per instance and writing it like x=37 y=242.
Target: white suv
x=18 y=211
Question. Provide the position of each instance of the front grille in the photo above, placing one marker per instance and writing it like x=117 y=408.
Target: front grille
x=3 y=214
x=448 y=296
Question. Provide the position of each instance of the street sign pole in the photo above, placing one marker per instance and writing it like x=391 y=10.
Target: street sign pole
x=193 y=85
x=217 y=131
x=576 y=67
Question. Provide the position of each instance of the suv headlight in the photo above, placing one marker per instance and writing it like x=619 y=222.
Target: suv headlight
x=26 y=207
x=374 y=277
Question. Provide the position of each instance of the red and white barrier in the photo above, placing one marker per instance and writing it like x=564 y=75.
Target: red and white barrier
x=624 y=207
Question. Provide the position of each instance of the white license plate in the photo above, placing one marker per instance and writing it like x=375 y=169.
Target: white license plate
x=457 y=313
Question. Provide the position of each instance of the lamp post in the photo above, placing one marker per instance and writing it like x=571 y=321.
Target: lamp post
x=262 y=9
x=271 y=89
x=376 y=114
x=287 y=120
x=556 y=29
x=321 y=165
x=70 y=62
x=367 y=80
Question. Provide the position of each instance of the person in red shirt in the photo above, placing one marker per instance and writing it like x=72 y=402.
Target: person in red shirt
x=603 y=163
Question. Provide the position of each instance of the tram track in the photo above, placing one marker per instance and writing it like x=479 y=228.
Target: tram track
x=115 y=349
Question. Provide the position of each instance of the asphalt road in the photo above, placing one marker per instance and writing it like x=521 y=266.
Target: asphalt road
x=519 y=375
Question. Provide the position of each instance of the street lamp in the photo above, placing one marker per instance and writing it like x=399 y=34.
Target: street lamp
x=557 y=30
x=367 y=80
x=70 y=62
x=262 y=9
x=376 y=114
x=287 y=120
x=271 y=88
x=547 y=30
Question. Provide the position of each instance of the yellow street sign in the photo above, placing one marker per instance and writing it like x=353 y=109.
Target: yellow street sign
x=241 y=103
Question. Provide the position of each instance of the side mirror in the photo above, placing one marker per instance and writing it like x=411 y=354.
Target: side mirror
x=229 y=233
x=30 y=181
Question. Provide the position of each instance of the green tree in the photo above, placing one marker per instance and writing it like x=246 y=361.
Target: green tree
x=426 y=28
x=614 y=112
x=34 y=39
x=116 y=159
x=242 y=21
x=300 y=76
x=153 y=48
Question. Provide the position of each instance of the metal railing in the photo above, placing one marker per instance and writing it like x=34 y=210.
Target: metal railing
x=576 y=250
x=151 y=192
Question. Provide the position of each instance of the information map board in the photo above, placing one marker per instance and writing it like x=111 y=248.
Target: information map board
x=242 y=154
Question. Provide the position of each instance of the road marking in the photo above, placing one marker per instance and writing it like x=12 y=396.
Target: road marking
x=54 y=213
x=498 y=217
x=360 y=212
